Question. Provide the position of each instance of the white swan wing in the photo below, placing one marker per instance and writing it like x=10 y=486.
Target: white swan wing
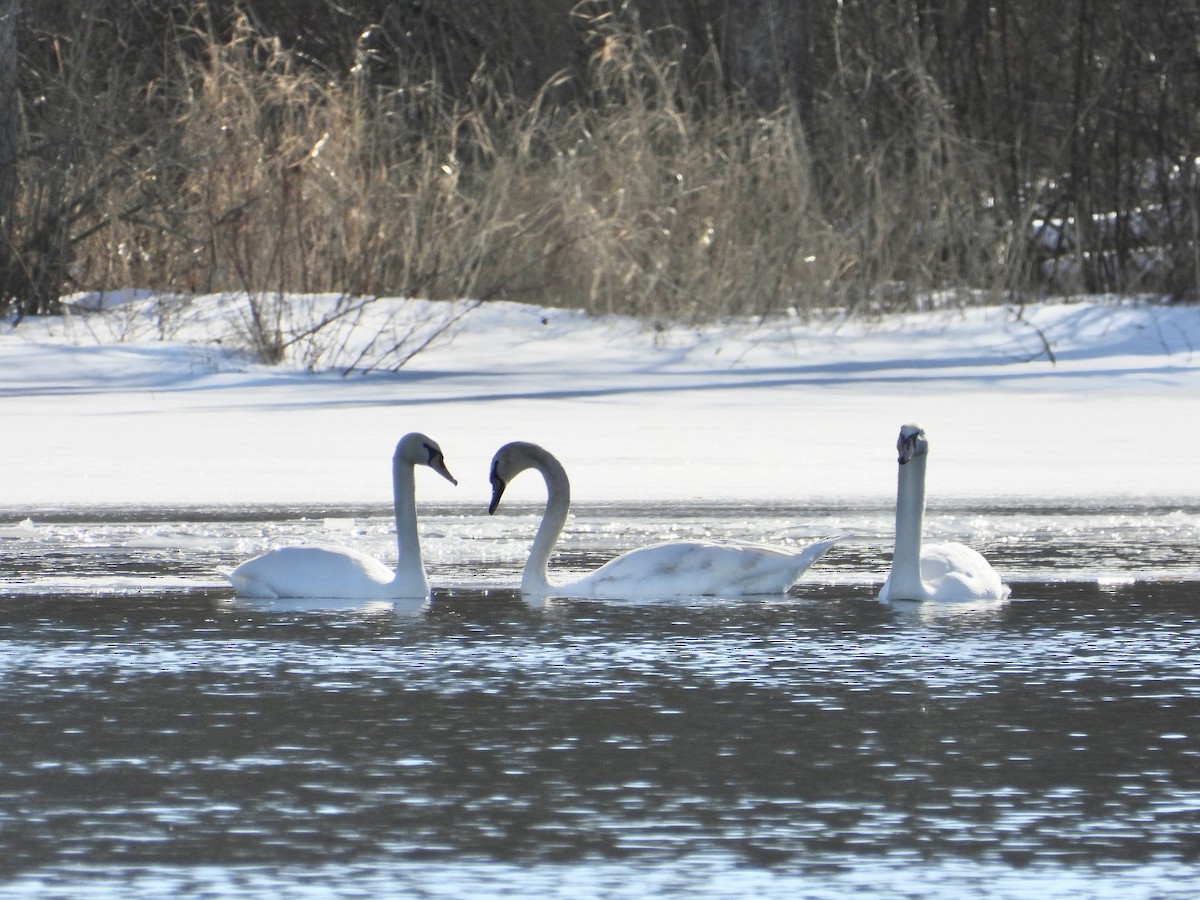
x=698 y=569
x=314 y=572
x=955 y=572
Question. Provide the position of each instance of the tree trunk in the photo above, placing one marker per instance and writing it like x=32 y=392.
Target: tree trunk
x=9 y=11
x=764 y=50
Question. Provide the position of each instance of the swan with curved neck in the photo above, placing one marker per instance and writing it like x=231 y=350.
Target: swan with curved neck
x=671 y=569
x=329 y=573
x=947 y=572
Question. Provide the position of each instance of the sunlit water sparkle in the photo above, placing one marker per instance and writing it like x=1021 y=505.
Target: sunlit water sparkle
x=161 y=737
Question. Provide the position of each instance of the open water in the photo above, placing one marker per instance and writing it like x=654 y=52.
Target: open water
x=158 y=737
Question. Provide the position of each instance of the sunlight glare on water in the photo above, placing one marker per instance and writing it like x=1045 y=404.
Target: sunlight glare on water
x=162 y=737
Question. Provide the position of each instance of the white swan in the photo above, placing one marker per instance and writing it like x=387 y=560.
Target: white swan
x=343 y=574
x=949 y=572
x=672 y=569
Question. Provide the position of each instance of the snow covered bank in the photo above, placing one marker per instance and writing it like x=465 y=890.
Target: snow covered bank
x=1095 y=401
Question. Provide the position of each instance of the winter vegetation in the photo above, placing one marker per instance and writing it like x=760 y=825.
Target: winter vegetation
x=677 y=161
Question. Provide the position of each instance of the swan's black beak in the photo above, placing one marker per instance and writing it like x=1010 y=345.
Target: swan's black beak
x=909 y=445
x=907 y=448
x=498 y=487
x=438 y=464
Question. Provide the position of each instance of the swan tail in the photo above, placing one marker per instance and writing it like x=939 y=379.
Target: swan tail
x=817 y=548
x=250 y=588
x=813 y=552
x=778 y=579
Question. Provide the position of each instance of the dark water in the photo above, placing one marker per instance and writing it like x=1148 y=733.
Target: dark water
x=157 y=738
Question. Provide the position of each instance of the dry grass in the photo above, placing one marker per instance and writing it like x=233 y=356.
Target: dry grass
x=657 y=197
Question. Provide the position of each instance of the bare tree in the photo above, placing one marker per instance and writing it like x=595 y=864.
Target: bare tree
x=764 y=49
x=9 y=11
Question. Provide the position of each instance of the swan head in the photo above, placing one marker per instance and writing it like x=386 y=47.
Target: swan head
x=509 y=461
x=418 y=450
x=912 y=443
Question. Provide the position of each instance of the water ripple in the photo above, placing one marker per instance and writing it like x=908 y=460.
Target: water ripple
x=160 y=737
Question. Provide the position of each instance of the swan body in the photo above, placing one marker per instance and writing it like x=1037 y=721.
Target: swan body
x=337 y=573
x=946 y=572
x=671 y=569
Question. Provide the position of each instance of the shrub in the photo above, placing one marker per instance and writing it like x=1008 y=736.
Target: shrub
x=188 y=147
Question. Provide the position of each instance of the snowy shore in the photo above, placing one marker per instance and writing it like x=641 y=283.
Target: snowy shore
x=1073 y=403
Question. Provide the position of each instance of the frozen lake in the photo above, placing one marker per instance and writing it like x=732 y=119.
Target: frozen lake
x=159 y=737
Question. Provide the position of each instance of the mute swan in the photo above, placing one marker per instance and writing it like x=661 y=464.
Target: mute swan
x=672 y=569
x=934 y=571
x=343 y=574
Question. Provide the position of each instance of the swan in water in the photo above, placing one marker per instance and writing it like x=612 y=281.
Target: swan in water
x=949 y=572
x=344 y=574
x=672 y=569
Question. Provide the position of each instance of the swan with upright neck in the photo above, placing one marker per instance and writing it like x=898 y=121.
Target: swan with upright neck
x=671 y=569
x=946 y=572
x=329 y=573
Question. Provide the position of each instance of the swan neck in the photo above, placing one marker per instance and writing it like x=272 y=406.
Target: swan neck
x=906 y=581
x=558 y=502
x=409 y=564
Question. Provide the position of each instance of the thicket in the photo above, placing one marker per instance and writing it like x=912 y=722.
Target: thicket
x=680 y=159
